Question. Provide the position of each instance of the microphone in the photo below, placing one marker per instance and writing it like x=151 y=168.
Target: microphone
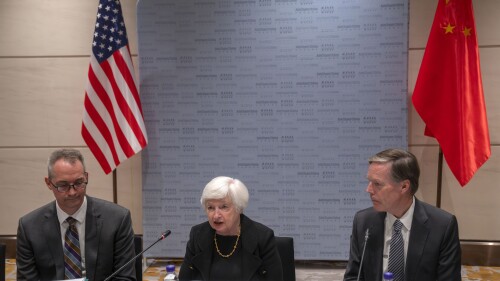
x=367 y=233
x=163 y=236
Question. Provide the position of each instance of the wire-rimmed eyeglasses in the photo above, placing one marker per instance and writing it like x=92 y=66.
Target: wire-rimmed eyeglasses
x=77 y=185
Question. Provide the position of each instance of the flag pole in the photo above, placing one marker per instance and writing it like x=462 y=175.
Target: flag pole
x=115 y=189
x=440 y=178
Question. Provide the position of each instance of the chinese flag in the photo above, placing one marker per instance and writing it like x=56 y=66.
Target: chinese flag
x=449 y=93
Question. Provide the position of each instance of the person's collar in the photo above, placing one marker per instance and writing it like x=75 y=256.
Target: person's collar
x=406 y=219
x=79 y=215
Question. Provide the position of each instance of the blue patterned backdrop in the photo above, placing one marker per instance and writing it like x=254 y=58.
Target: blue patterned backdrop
x=289 y=96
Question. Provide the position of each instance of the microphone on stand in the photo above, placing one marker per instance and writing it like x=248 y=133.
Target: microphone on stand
x=367 y=233
x=163 y=236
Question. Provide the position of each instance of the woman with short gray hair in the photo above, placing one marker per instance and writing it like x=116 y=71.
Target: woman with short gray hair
x=230 y=246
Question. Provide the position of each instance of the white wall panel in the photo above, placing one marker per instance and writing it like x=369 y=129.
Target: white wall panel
x=42 y=101
x=475 y=205
x=54 y=27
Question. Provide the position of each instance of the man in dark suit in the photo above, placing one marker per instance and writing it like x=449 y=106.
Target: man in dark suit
x=101 y=236
x=429 y=234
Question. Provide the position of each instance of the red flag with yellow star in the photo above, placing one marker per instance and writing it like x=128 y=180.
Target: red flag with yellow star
x=448 y=93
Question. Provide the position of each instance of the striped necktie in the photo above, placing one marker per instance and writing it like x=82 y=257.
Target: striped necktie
x=72 y=256
x=397 y=253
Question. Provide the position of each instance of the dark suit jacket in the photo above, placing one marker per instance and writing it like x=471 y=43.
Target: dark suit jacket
x=260 y=256
x=108 y=243
x=433 y=250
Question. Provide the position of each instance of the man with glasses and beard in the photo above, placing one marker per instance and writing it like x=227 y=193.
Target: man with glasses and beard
x=75 y=236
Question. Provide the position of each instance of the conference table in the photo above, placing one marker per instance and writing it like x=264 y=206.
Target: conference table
x=154 y=270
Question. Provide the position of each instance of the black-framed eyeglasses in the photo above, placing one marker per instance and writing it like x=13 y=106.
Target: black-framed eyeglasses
x=77 y=185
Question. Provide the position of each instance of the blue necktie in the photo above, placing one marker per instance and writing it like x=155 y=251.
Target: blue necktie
x=72 y=256
x=397 y=253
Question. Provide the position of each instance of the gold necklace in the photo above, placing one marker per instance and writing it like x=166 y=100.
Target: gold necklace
x=234 y=248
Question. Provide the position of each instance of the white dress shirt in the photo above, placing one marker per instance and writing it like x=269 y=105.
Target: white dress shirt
x=406 y=219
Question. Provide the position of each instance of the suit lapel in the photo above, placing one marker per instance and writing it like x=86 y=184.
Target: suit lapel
x=251 y=261
x=418 y=238
x=93 y=224
x=203 y=260
x=375 y=248
x=53 y=230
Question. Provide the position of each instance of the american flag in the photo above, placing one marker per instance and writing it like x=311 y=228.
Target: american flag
x=113 y=124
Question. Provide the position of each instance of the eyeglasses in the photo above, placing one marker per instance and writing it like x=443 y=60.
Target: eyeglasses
x=77 y=185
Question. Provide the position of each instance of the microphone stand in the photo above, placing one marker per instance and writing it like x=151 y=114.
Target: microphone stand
x=363 y=254
x=163 y=236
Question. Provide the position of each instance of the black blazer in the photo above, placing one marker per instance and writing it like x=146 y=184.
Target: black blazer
x=108 y=243
x=433 y=249
x=260 y=256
